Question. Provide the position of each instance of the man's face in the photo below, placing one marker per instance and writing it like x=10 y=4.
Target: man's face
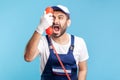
x=60 y=21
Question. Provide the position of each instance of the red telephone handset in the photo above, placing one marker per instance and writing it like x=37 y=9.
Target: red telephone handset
x=49 y=30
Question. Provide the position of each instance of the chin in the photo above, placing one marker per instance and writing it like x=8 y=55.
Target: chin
x=56 y=35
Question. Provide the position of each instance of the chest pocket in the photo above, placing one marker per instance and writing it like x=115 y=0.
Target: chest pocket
x=58 y=70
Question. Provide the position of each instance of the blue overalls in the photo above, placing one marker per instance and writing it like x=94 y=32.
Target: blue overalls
x=53 y=69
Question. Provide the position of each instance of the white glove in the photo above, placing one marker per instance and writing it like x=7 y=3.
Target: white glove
x=45 y=21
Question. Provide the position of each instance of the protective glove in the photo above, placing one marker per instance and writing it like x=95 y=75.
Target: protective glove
x=45 y=21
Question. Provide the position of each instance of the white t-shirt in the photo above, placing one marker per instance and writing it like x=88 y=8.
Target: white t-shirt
x=80 y=52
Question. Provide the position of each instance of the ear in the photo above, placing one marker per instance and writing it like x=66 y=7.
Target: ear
x=68 y=22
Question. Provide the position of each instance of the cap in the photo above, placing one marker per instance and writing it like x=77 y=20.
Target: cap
x=62 y=9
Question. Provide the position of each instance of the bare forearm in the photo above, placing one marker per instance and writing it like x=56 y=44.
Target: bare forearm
x=82 y=75
x=31 y=47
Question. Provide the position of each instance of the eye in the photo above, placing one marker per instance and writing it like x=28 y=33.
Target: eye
x=61 y=17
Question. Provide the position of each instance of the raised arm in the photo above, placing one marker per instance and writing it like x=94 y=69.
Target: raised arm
x=31 y=50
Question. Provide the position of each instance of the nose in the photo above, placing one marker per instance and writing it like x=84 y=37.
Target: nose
x=56 y=21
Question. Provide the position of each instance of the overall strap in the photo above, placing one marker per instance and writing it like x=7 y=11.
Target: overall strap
x=72 y=44
x=49 y=42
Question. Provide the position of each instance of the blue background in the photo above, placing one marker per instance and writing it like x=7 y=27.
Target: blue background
x=97 y=21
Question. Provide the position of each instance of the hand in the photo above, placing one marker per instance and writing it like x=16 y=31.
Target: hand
x=45 y=21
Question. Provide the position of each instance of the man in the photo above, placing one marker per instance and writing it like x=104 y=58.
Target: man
x=71 y=49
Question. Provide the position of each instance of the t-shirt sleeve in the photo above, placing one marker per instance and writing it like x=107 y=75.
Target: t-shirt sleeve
x=83 y=52
x=41 y=44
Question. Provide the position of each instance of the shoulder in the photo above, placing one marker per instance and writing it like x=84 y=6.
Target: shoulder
x=79 y=39
x=43 y=37
x=42 y=41
x=79 y=42
x=43 y=44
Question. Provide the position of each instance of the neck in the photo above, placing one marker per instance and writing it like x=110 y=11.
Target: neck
x=64 y=39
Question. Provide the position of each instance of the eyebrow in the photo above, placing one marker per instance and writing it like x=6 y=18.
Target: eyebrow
x=58 y=16
x=61 y=15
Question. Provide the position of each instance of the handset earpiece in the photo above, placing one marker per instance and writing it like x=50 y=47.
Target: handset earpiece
x=49 y=30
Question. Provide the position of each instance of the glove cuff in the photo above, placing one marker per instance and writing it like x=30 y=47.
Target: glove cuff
x=40 y=29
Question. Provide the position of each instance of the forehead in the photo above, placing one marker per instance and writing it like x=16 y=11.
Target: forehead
x=59 y=13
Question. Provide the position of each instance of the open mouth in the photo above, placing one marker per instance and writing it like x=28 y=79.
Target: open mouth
x=56 y=28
